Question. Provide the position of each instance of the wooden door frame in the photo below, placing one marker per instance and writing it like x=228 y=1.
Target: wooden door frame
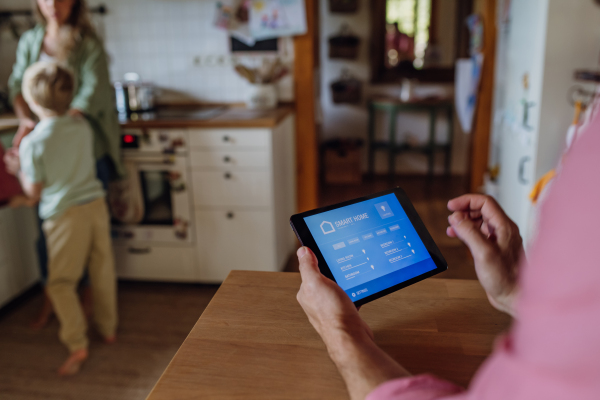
x=305 y=60
x=480 y=141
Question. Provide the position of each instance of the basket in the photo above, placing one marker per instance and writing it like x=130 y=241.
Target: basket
x=343 y=6
x=346 y=90
x=344 y=45
x=342 y=161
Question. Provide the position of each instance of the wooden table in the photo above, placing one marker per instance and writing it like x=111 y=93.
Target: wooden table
x=253 y=341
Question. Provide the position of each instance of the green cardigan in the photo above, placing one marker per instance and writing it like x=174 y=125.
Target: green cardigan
x=93 y=94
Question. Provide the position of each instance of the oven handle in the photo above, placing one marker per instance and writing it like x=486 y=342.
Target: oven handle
x=139 y=250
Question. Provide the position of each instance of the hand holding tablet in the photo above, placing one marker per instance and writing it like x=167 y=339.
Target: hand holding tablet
x=371 y=246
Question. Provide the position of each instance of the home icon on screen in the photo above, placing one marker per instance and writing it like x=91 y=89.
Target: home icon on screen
x=324 y=227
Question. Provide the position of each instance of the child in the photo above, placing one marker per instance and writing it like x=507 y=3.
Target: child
x=56 y=165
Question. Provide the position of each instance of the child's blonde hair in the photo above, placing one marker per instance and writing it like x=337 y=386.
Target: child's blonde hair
x=48 y=85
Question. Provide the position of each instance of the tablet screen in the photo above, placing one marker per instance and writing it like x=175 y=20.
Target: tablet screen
x=370 y=246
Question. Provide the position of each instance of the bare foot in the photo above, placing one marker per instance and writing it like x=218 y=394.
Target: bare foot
x=110 y=339
x=45 y=313
x=73 y=363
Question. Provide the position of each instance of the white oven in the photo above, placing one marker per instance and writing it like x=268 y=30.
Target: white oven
x=151 y=208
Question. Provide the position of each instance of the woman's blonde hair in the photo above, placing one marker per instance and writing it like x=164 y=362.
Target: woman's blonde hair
x=78 y=26
x=49 y=85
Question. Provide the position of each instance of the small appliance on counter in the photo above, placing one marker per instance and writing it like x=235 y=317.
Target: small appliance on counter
x=133 y=95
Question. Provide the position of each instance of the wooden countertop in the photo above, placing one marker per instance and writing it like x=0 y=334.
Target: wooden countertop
x=234 y=117
x=253 y=341
x=8 y=121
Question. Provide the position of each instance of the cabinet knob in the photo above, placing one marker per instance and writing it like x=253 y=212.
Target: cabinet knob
x=230 y=215
x=226 y=159
x=227 y=175
x=226 y=138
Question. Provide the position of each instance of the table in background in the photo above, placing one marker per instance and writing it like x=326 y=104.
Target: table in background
x=394 y=106
x=254 y=341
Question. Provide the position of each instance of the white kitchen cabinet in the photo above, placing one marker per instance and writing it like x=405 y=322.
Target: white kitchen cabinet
x=243 y=205
x=232 y=187
x=544 y=41
x=235 y=238
x=239 y=187
x=18 y=257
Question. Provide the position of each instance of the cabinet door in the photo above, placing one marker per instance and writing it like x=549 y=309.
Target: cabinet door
x=235 y=239
x=18 y=259
x=232 y=188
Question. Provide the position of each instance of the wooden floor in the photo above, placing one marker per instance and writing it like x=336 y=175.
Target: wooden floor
x=155 y=318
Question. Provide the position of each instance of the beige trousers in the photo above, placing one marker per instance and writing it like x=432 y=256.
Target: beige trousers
x=78 y=238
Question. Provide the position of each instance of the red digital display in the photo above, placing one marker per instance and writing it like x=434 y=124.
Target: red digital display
x=128 y=138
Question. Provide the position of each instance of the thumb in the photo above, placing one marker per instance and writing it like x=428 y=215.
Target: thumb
x=309 y=267
x=467 y=231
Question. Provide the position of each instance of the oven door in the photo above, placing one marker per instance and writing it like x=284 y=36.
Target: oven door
x=153 y=203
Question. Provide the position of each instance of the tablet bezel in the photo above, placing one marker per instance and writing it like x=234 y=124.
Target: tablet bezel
x=306 y=239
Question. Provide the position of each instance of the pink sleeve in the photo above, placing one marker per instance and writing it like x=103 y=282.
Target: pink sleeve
x=553 y=349
x=421 y=387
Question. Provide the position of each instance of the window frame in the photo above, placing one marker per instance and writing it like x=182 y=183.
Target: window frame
x=381 y=74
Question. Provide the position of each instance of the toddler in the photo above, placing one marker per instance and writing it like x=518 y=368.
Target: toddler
x=55 y=164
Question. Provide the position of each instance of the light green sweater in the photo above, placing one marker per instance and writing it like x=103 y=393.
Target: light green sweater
x=68 y=173
x=93 y=94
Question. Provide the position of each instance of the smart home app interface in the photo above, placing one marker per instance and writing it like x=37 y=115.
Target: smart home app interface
x=370 y=246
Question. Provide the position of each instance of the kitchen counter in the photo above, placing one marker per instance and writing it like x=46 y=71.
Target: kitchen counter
x=217 y=117
x=8 y=122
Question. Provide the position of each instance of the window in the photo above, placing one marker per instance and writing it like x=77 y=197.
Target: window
x=407 y=31
x=417 y=39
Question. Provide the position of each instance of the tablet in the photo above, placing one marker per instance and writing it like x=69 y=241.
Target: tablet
x=371 y=246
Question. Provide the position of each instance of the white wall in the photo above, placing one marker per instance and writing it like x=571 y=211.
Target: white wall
x=351 y=120
x=171 y=43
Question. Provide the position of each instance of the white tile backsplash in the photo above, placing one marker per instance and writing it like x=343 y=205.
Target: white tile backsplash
x=160 y=40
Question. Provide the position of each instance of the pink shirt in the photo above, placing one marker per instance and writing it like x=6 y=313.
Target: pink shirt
x=553 y=350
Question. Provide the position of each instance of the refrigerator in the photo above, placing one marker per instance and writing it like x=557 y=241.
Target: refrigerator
x=540 y=44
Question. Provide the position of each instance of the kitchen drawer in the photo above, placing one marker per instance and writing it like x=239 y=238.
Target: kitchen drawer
x=231 y=188
x=229 y=159
x=156 y=263
x=228 y=138
x=234 y=239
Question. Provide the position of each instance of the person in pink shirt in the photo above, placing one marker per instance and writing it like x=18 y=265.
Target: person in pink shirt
x=552 y=350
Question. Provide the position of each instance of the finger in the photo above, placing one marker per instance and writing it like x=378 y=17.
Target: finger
x=467 y=202
x=491 y=212
x=475 y=214
x=467 y=231
x=309 y=267
x=450 y=232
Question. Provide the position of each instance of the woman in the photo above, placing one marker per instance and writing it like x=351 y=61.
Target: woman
x=64 y=33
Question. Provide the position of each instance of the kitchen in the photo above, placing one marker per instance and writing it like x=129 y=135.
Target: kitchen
x=215 y=165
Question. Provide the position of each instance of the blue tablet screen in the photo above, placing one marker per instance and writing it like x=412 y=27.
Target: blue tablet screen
x=370 y=246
